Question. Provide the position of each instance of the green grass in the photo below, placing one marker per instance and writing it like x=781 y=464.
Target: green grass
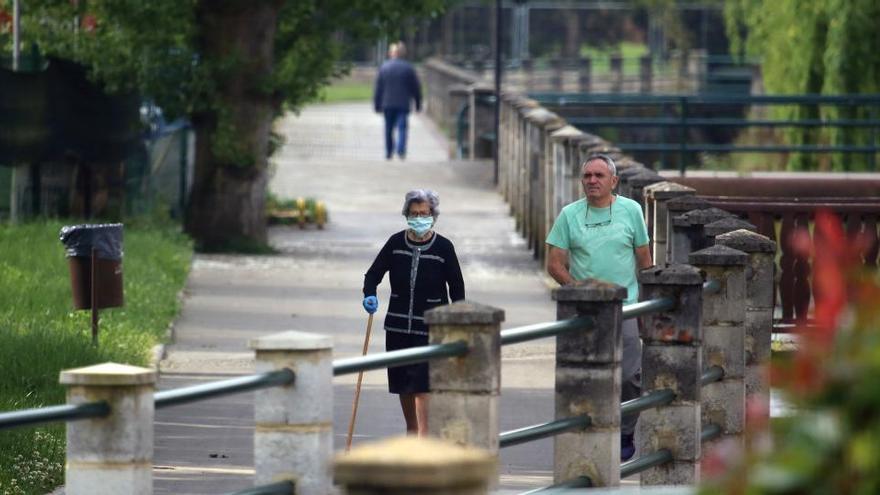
x=340 y=92
x=629 y=51
x=40 y=333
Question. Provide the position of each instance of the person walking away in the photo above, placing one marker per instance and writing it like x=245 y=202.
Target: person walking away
x=397 y=86
x=424 y=273
x=604 y=236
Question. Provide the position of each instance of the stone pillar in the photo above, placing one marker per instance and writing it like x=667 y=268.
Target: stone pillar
x=672 y=359
x=407 y=465
x=656 y=197
x=528 y=69
x=113 y=454
x=464 y=390
x=723 y=226
x=760 y=286
x=293 y=439
x=687 y=232
x=638 y=182
x=588 y=381
x=724 y=312
x=623 y=187
x=676 y=207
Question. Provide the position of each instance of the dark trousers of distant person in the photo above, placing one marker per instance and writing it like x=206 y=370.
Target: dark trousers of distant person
x=395 y=118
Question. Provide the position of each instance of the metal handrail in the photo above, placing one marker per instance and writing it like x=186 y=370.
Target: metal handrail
x=279 y=488
x=644 y=462
x=64 y=412
x=663 y=456
x=559 y=488
x=711 y=286
x=713 y=374
x=413 y=355
x=617 y=98
x=540 y=330
x=194 y=393
x=645 y=402
x=642 y=308
x=543 y=430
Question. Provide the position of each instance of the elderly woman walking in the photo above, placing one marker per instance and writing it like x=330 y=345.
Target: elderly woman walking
x=424 y=273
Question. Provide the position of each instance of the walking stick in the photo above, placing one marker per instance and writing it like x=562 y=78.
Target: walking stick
x=357 y=388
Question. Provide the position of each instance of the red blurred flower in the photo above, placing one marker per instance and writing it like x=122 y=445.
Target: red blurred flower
x=5 y=20
x=89 y=23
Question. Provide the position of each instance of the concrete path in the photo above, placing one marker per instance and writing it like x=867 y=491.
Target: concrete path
x=335 y=153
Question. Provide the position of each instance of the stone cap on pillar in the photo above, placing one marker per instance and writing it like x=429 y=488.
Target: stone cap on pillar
x=718 y=255
x=700 y=217
x=542 y=117
x=291 y=340
x=590 y=141
x=411 y=462
x=644 y=177
x=687 y=203
x=671 y=274
x=603 y=147
x=666 y=190
x=725 y=225
x=626 y=163
x=629 y=172
x=747 y=242
x=565 y=132
x=464 y=313
x=108 y=374
x=589 y=290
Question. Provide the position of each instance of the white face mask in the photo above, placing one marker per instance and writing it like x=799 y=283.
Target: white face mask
x=420 y=225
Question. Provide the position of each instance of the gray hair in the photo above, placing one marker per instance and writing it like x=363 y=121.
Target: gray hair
x=609 y=162
x=422 y=196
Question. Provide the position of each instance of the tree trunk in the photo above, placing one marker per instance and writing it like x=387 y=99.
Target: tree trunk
x=226 y=208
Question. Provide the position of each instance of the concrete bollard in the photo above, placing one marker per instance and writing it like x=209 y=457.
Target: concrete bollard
x=638 y=182
x=672 y=359
x=623 y=187
x=724 y=312
x=760 y=286
x=588 y=381
x=113 y=454
x=656 y=197
x=407 y=465
x=675 y=207
x=687 y=232
x=723 y=226
x=464 y=390
x=293 y=439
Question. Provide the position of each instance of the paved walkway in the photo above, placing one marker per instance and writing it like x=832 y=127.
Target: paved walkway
x=335 y=153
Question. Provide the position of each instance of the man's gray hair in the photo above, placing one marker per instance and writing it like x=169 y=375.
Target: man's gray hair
x=609 y=162
x=422 y=196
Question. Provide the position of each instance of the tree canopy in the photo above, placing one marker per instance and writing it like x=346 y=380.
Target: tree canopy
x=818 y=47
x=231 y=66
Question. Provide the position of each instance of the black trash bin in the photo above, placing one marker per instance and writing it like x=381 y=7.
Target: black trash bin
x=106 y=241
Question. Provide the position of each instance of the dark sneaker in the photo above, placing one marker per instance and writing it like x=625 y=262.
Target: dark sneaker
x=627 y=447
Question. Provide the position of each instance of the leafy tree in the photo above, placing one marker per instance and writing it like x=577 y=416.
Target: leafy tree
x=231 y=66
x=822 y=47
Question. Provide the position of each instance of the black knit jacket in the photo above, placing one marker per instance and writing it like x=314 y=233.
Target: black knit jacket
x=419 y=275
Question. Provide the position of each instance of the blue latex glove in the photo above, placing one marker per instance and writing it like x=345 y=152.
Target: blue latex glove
x=371 y=304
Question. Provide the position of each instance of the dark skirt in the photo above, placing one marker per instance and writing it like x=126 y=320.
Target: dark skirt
x=412 y=378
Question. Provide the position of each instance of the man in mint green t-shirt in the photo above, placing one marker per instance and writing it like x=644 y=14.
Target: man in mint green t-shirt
x=605 y=237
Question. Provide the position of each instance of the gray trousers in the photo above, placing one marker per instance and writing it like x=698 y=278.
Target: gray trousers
x=631 y=387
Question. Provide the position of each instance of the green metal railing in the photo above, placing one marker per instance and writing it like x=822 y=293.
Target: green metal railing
x=279 y=488
x=66 y=412
x=413 y=355
x=543 y=430
x=682 y=120
x=541 y=330
x=224 y=387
